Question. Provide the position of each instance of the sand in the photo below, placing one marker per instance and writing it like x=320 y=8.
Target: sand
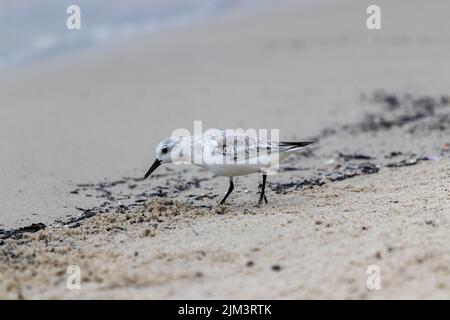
x=372 y=191
x=319 y=245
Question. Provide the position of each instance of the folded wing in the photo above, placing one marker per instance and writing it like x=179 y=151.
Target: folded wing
x=237 y=146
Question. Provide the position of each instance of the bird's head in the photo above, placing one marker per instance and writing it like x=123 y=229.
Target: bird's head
x=165 y=153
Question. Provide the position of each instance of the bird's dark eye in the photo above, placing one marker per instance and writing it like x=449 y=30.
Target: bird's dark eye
x=164 y=150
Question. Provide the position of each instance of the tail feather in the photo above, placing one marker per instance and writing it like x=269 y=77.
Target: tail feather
x=293 y=146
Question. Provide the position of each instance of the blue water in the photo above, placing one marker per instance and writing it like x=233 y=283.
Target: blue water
x=34 y=29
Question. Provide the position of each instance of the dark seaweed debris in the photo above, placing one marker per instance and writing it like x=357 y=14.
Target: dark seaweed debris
x=354 y=156
x=124 y=203
x=102 y=188
x=401 y=111
x=289 y=168
x=284 y=188
x=185 y=185
x=391 y=101
x=18 y=233
x=403 y=163
x=440 y=122
x=352 y=170
x=202 y=196
x=393 y=154
x=412 y=161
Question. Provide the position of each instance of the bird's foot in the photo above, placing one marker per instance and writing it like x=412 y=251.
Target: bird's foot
x=258 y=205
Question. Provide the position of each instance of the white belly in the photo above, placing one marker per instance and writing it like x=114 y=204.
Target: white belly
x=265 y=165
x=231 y=170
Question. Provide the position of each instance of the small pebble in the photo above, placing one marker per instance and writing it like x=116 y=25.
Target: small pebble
x=276 y=267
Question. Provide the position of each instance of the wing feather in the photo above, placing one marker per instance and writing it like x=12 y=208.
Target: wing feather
x=238 y=145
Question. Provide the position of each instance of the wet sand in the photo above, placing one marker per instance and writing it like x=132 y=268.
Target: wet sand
x=373 y=190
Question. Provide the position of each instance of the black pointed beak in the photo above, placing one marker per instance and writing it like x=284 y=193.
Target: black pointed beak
x=155 y=165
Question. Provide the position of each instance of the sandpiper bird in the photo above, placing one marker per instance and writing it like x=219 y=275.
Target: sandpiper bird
x=226 y=153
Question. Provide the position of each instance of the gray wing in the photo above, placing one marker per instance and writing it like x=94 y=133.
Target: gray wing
x=238 y=145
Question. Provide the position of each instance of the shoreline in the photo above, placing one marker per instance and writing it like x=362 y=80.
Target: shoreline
x=50 y=39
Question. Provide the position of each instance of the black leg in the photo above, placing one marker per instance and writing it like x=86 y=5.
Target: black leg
x=230 y=189
x=262 y=196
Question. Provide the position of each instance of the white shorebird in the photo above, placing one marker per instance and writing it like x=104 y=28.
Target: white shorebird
x=226 y=153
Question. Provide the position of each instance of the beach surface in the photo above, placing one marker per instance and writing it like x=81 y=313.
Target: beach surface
x=79 y=132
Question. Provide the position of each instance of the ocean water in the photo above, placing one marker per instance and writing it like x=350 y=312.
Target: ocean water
x=34 y=29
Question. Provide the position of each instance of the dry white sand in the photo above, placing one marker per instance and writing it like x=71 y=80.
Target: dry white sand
x=316 y=243
x=299 y=67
